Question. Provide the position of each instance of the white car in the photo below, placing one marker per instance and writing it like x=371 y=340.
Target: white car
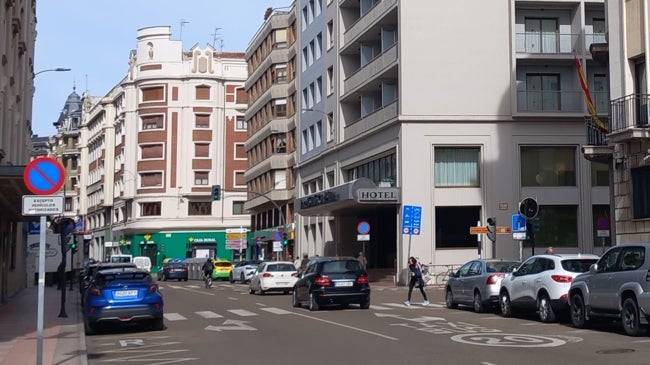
x=273 y=276
x=542 y=283
x=243 y=270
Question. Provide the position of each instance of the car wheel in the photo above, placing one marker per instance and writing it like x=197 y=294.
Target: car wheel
x=478 y=302
x=630 y=317
x=365 y=304
x=313 y=303
x=546 y=312
x=185 y=279
x=179 y=279
x=242 y=278
x=89 y=328
x=262 y=292
x=232 y=280
x=295 y=301
x=504 y=303
x=158 y=324
x=164 y=277
x=449 y=299
x=577 y=311
x=251 y=290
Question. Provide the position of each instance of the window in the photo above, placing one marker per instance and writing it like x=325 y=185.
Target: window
x=557 y=224
x=281 y=144
x=280 y=74
x=541 y=35
x=641 y=192
x=548 y=166
x=330 y=127
x=280 y=107
x=151 y=179
x=240 y=151
x=318 y=92
x=281 y=38
x=150 y=209
x=152 y=121
x=201 y=177
x=380 y=170
x=330 y=80
x=457 y=166
x=153 y=94
x=199 y=208
x=238 y=208
x=451 y=226
x=239 y=178
x=330 y=34
x=318 y=135
x=202 y=121
x=201 y=150
x=280 y=179
x=202 y=93
x=151 y=151
x=543 y=92
x=241 y=123
x=599 y=174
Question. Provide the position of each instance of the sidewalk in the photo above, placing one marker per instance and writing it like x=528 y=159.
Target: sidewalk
x=64 y=341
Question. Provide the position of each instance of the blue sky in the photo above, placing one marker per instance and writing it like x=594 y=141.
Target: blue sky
x=94 y=38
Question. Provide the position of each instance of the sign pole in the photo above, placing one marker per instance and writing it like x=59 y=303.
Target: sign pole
x=478 y=240
x=41 y=291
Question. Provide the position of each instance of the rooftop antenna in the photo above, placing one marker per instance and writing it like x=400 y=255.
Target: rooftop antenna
x=215 y=37
x=183 y=22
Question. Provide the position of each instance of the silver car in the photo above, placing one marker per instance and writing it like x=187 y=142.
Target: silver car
x=243 y=270
x=617 y=286
x=477 y=283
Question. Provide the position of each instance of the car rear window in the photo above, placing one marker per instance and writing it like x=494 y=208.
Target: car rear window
x=578 y=265
x=176 y=265
x=222 y=264
x=280 y=267
x=123 y=277
x=337 y=267
x=501 y=266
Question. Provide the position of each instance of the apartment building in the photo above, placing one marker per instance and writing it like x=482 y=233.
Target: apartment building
x=462 y=114
x=153 y=146
x=18 y=32
x=271 y=147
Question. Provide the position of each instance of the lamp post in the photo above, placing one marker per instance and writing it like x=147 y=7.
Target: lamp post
x=58 y=69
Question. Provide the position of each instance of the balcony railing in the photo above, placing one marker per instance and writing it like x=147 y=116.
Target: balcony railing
x=595 y=135
x=554 y=42
x=549 y=101
x=630 y=111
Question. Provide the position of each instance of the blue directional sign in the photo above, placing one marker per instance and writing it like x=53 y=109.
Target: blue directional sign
x=411 y=219
x=518 y=223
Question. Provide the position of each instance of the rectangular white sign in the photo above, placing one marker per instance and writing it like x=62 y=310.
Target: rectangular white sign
x=42 y=204
x=363 y=237
x=277 y=246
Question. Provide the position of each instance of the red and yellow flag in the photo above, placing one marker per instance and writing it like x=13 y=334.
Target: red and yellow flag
x=590 y=104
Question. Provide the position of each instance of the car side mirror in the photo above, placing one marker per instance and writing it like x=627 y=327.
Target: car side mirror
x=593 y=268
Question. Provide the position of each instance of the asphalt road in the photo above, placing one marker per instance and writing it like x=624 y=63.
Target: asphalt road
x=230 y=326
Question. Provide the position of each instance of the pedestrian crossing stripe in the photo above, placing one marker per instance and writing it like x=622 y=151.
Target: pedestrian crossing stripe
x=174 y=317
x=275 y=310
x=242 y=312
x=208 y=314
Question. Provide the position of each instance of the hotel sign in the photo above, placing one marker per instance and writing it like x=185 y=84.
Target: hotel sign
x=378 y=195
x=318 y=199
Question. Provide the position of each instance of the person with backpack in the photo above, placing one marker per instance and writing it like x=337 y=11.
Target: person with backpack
x=416 y=278
x=208 y=267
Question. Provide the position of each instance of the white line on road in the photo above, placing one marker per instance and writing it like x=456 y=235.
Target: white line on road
x=378 y=307
x=208 y=314
x=242 y=312
x=641 y=341
x=276 y=310
x=487 y=363
x=174 y=317
x=348 y=327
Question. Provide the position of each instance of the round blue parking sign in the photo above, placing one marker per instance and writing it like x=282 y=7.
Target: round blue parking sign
x=44 y=176
x=363 y=227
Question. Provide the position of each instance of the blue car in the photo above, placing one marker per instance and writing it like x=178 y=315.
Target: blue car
x=122 y=296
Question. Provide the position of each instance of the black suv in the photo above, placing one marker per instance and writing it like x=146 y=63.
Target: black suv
x=332 y=280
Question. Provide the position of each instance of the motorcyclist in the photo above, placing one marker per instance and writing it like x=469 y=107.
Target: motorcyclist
x=208 y=266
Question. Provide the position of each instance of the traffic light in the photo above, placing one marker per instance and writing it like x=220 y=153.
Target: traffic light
x=492 y=229
x=285 y=240
x=216 y=192
x=65 y=229
x=73 y=244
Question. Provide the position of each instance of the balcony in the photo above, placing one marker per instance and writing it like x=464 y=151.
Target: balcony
x=554 y=102
x=596 y=136
x=630 y=117
x=367 y=20
x=372 y=70
x=378 y=117
x=555 y=43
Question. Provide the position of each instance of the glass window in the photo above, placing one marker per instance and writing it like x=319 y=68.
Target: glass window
x=526 y=268
x=241 y=123
x=238 y=208
x=548 y=166
x=451 y=226
x=556 y=225
x=199 y=208
x=202 y=121
x=151 y=179
x=456 y=167
x=542 y=92
x=641 y=192
x=151 y=151
x=149 y=209
x=152 y=121
x=599 y=174
x=607 y=263
x=201 y=177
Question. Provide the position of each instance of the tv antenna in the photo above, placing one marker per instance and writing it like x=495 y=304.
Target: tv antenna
x=216 y=37
x=183 y=22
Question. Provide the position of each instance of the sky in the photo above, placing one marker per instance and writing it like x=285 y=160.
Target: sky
x=93 y=38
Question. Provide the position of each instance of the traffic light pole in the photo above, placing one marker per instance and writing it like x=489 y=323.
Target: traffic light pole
x=61 y=273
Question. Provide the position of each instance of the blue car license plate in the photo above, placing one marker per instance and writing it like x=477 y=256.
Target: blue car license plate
x=126 y=293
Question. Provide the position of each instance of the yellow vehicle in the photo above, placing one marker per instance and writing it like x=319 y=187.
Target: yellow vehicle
x=222 y=269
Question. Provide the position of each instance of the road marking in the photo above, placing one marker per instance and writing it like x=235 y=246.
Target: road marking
x=208 y=314
x=414 y=305
x=230 y=325
x=641 y=341
x=378 y=307
x=276 y=310
x=242 y=312
x=508 y=340
x=174 y=317
x=348 y=327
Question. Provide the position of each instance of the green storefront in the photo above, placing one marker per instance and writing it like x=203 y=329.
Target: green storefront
x=161 y=245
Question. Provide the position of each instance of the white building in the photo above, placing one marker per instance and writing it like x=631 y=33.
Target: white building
x=460 y=108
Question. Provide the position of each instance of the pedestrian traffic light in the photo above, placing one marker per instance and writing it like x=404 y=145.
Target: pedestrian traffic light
x=492 y=229
x=285 y=240
x=216 y=192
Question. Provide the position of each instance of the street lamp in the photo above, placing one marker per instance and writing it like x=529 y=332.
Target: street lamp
x=58 y=69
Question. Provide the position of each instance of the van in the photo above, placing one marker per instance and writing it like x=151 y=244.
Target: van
x=143 y=262
x=121 y=258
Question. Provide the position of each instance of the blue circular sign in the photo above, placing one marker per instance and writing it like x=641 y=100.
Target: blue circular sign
x=44 y=176
x=602 y=223
x=363 y=227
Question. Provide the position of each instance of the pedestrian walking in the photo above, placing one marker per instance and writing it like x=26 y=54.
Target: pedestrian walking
x=416 y=278
x=549 y=251
x=362 y=259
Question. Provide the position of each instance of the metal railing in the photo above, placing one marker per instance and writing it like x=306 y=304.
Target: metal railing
x=596 y=136
x=549 y=101
x=630 y=111
x=555 y=42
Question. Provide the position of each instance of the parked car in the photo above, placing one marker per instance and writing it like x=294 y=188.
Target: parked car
x=222 y=269
x=173 y=270
x=243 y=270
x=617 y=286
x=143 y=262
x=542 y=283
x=332 y=280
x=273 y=276
x=477 y=283
x=122 y=296
x=90 y=270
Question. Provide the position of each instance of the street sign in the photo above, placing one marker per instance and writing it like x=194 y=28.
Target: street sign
x=602 y=223
x=411 y=219
x=503 y=230
x=363 y=237
x=478 y=230
x=518 y=223
x=363 y=227
x=44 y=176
x=42 y=204
x=528 y=208
x=277 y=246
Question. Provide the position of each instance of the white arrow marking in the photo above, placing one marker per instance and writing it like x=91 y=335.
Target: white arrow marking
x=416 y=319
x=134 y=342
x=235 y=325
